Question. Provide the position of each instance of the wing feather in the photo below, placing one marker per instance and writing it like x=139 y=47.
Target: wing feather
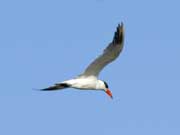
x=111 y=52
x=56 y=87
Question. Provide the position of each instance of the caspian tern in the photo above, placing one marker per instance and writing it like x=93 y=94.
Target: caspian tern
x=88 y=80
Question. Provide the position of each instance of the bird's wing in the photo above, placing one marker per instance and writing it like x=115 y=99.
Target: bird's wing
x=56 y=87
x=110 y=53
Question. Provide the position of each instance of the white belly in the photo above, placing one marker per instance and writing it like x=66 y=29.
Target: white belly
x=83 y=83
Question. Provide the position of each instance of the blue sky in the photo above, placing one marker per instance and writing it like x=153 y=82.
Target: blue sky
x=44 y=42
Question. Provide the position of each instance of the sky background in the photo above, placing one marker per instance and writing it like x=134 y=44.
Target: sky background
x=47 y=41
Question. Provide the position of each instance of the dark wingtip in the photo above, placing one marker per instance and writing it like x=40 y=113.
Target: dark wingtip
x=56 y=87
x=119 y=34
x=45 y=89
x=120 y=25
x=49 y=88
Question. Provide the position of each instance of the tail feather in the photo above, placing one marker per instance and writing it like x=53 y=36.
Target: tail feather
x=56 y=87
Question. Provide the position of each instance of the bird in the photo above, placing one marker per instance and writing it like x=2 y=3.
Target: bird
x=88 y=80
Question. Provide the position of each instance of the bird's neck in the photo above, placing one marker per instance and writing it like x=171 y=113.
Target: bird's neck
x=100 y=85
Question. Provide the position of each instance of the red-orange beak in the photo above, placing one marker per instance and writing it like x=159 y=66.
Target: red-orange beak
x=109 y=93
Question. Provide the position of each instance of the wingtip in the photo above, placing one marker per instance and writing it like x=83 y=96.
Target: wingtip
x=49 y=89
x=119 y=34
x=120 y=25
x=45 y=89
x=38 y=89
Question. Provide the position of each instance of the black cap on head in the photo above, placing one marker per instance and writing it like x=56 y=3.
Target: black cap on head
x=106 y=85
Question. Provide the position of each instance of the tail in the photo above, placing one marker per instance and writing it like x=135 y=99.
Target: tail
x=56 y=87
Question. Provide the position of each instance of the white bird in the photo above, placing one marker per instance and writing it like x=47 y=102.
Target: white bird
x=88 y=80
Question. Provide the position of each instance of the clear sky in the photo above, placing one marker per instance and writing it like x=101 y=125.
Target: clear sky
x=47 y=41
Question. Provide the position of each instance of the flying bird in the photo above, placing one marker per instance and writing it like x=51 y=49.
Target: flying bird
x=88 y=80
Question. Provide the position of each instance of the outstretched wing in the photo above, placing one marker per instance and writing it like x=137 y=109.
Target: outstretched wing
x=56 y=87
x=110 y=53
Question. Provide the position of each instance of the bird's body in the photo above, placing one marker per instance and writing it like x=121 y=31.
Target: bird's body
x=84 y=83
x=88 y=80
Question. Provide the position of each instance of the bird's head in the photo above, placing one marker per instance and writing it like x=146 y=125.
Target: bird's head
x=104 y=86
x=107 y=90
